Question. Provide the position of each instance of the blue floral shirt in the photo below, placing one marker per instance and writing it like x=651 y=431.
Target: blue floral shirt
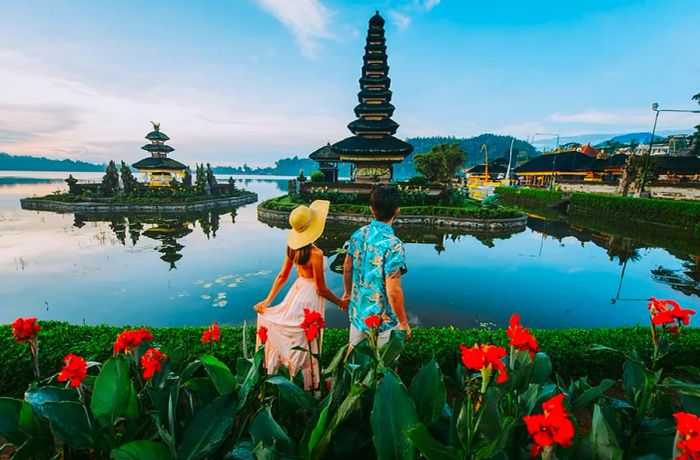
x=375 y=252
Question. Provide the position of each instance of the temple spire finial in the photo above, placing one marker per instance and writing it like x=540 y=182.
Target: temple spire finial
x=156 y=126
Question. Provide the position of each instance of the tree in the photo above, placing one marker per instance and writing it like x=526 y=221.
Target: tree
x=110 y=181
x=301 y=177
x=441 y=162
x=231 y=185
x=200 y=180
x=317 y=176
x=696 y=135
x=187 y=178
x=211 y=179
x=128 y=180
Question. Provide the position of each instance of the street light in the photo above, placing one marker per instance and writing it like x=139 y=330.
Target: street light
x=655 y=108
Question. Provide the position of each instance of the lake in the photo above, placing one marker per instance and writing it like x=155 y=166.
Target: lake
x=204 y=267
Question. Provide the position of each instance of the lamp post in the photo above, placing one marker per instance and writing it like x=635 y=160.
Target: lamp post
x=510 y=160
x=655 y=108
x=554 y=158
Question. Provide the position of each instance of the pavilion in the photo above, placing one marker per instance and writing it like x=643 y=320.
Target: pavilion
x=327 y=162
x=159 y=169
x=372 y=150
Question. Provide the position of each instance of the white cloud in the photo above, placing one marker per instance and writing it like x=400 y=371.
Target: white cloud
x=402 y=21
x=641 y=118
x=44 y=112
x=308 y=20
x=430 y=4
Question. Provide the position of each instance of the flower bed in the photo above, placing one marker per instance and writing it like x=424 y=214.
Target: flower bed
x=144 y=403
x=503 y=401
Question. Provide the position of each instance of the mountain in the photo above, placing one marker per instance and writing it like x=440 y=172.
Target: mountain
x=283 y=167
x=498 y=147
x=28 y=163
x=637 y=138
x=599 y=138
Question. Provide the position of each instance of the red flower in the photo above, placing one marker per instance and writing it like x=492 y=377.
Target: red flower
x=25 y=329
x=552 y=427
x=661 y=314
x=130 y=339
x=373 y=321
x=312 y=324
x=152 y=362
x=688 y=426
x=211 y=334
x=262 y=333
x=75 y=370
x=485 y=358
x=329 y=384
x=520 y=337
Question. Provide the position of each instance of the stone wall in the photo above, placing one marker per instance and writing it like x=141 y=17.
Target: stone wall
x=38 y=204
x=492 y=225
x=657 y=190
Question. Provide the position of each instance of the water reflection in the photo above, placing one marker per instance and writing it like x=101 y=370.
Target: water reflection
x=166 y=229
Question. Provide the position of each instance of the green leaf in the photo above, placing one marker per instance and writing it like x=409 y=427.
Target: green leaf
x=292 y=398
x=428 y=392
x=140 y=450
x=10 y=409
x=208 y=429
x=264 y=429
x=393 y=413
x=500 y=442
x=390 y=352
x=220 y=374
x=603 y=439
x=37 y=397
x=320 y=426
x=69 y=423
x=252 y=377
x=429 y=447
x=338 y=358
x=592 y=394
x=542 y=368
x=346 y=408
x=112 y=393
x=633 y=380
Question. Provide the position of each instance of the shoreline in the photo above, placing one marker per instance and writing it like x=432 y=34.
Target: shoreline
x=42 y=204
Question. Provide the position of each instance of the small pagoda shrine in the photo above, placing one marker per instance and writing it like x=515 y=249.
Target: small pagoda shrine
x=373 y=149
x=327 y=162
x=159 y=169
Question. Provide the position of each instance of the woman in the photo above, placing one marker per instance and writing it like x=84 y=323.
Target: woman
x=308 y=291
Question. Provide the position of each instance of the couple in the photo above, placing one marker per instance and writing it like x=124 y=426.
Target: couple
x=372 y=272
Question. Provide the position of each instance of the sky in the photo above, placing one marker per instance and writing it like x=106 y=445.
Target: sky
x=252 y=81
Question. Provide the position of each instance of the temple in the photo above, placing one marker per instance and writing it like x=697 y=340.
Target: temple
x=159 y=169
x=373 y=149
x=327 y=162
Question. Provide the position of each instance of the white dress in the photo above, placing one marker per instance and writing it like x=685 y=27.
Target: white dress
x=284 y=332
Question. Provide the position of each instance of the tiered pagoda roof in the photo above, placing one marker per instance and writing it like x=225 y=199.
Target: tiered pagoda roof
x=325 y=153
x=159 y=152
x=374 y=129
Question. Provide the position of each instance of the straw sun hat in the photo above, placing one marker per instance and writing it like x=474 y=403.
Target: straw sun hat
x=307 y=223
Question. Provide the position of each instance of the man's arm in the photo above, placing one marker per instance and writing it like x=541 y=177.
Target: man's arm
x=394 y=292
x=347 y=277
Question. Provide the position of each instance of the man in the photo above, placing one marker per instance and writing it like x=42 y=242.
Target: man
x=372 y=271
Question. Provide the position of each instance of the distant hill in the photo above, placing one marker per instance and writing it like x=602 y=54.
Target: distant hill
x=28 y=163
x=638 y=138
x=599 y=138
x=283 y=167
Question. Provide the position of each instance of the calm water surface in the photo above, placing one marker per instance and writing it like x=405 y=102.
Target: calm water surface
x=214 y=266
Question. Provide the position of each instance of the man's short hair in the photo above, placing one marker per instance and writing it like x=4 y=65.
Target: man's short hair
x=385 y=200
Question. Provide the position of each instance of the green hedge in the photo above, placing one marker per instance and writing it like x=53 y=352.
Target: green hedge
x=529 y=197
x=175 y=197
x=568 y=348
x=286 y=204
x=669 y=213
x=682 y=214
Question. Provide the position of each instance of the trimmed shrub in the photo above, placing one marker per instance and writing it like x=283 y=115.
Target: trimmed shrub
x=570 y=349
x=317 y=176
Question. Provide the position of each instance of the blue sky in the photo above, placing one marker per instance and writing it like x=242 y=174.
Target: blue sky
x=255 y=80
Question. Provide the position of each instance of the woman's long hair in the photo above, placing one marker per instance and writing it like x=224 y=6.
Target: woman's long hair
x=300 y=256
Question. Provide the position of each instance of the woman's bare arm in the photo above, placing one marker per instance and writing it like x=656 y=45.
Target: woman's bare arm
x=280 y=279
x=320 y=280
